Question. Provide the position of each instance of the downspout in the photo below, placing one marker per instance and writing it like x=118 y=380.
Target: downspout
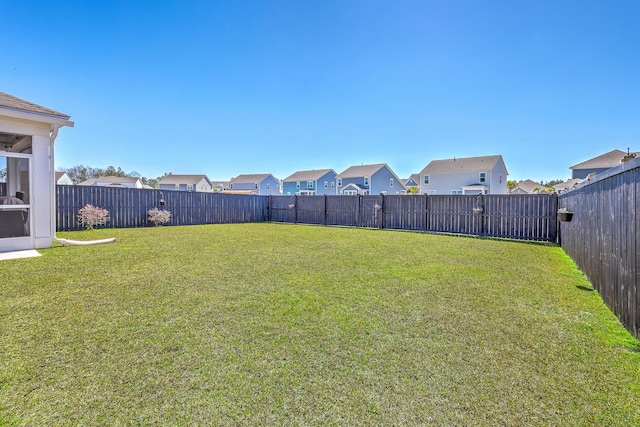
x=52 y=190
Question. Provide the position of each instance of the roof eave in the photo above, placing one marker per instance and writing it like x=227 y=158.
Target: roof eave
x=36 y=117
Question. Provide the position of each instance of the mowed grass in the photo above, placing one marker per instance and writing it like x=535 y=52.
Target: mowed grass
x=271 y=324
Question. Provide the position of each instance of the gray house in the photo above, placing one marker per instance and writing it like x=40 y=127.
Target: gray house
x=310 y=183
x=262 y=184
x=600 y=163
x=470 y=175
x=198 y=183
x=369 y=179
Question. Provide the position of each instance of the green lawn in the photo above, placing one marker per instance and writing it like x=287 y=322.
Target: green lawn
x=269 y=324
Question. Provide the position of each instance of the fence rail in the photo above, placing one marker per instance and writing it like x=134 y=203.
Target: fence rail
x=604 y=236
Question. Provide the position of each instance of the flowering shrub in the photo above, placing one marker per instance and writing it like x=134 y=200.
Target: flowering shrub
x=91 y=216
x=158 y=217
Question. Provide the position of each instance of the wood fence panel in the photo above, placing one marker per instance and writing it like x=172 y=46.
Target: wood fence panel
x=342 y=210
x=406 y=212
x=282 y=208
x=310 y=209
x=453 y=214
x=370 y=212
x=603 y=238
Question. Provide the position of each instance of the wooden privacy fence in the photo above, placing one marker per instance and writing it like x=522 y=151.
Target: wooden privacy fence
x=603 y=238
x=530 y=217
x=128 y=206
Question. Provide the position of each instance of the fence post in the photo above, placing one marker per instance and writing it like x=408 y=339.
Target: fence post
x=381 y=219
x=324 y=218
x=295 y=209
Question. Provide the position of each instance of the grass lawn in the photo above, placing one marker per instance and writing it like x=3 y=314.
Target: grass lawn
x=270 y=324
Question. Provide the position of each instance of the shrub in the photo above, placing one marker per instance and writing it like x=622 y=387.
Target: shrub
x=91 y=216
x=158 y=217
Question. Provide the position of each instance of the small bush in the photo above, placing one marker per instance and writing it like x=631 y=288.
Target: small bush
x=91 y=216
x=158 y=217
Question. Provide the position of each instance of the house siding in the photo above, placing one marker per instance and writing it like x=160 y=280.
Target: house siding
x=584 y=173
x=445 y=183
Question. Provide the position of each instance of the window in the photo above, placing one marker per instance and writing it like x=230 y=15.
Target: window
x=309 y=184
x=426 y=179
x=15 y=179
x=339 y=182
x=333 y=185
x=391 y=182
x=430 y=192
x=326 y=184
x=456 y=192
x=177 y=186
x=483 y=177
x=298 y=184
x=255 y=186
x=230 y=186
x=189 y=187
x=268 y=186
x=366 y=180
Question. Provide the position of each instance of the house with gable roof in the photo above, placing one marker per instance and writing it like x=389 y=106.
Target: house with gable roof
x=262 y=184
x=310 y=183
x=113 y=181
x=529 y=186
x=600 y=163
x=470 y=175
x=369 y=180
x=62 y=178
x=177 y=182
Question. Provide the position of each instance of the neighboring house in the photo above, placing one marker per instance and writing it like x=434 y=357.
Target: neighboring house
x=570 y=183
x=113 y=181
x=470 y=175
x=369 y=179
x=600 y=164
x=27 y=205
x=220 y=186
x=310 y=183
x=263 y=184
x=198 y=183
x=412 y=182
x=63 y=179
x=529 y=186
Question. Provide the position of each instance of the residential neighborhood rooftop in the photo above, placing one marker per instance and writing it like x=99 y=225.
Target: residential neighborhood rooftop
x=310 y=175
x=466 y=164
x=111 y=179
x=362 y=170
x=608 y=160
x=182 y=179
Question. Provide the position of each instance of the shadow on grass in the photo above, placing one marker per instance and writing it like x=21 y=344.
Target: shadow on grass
x=585 y=288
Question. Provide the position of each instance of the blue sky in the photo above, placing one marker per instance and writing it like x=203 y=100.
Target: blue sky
x=234 y=87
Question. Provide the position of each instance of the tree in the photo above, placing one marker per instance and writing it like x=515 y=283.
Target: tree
x=412 y=190
x=552 y=182
x=511 y=185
